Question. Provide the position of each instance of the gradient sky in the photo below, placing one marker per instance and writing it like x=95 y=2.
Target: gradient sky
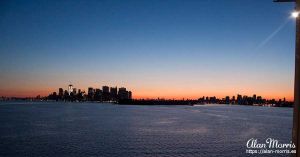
x=156 y=48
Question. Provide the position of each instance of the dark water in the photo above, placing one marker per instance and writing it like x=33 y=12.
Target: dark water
x=91 y=129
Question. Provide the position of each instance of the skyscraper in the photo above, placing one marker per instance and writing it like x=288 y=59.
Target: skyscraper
x=227 y=100
x=60 y=92
x=239 y=99
x=254 y=96
x=105 y=93
x=98 y=95
x=114 y=93
x=70 y=89
x=90 y=93
x=129 y=95
x=123 y=93
x=74 y=91
x=105 y=89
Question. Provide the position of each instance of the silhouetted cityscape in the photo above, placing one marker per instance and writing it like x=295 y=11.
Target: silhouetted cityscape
x=106 y=94
x=123 y=96
x=239 y=100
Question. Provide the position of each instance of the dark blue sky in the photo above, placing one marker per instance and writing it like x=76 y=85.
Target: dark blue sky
x=155 y=47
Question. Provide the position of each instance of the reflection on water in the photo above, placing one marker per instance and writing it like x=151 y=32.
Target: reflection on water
x=91 y=129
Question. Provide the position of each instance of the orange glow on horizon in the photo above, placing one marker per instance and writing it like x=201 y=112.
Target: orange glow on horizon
x=162 y=94
x=288 y=98
x=158 y=87
x=145 y=95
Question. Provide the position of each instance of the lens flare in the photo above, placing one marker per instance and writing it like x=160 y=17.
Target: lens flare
x=295 y=14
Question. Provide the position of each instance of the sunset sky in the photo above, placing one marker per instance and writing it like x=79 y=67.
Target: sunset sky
x=155 y=48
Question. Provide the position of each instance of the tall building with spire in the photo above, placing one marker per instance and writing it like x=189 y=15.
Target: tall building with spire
x=70 y=89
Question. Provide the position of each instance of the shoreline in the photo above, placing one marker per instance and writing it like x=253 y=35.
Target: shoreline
x=151 y=103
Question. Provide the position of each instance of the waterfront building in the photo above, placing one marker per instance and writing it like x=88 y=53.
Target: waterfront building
x=239 y=99
x=129 y=95
x=114 y=93
x=98 y=95
x=105 y=93
x=66 y=94
x=227 y=100
x=90 y=96
x=123 y=93
x=60 y=92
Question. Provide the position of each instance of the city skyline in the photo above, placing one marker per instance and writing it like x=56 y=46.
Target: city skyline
x=102 y=94
x=122 y=95
x=170 y=49
x=71 y=89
